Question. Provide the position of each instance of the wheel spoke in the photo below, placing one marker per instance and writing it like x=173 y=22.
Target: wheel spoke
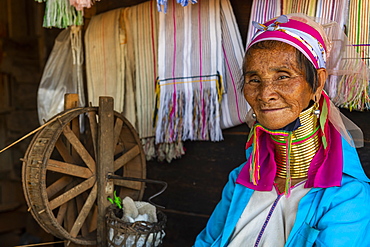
x=62 y=213
x=69 y=169
x=93 y=219
x=128 y=184
x=63 y=151
x=72 y=193
x=71 y=215
x=80 y=200
x=81 y=150
x=57 y=186
x=117 y=130
x=126 y=157
x=94 y=129
x=84 y=212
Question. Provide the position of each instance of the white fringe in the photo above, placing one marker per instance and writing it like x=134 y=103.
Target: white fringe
x=163 y=151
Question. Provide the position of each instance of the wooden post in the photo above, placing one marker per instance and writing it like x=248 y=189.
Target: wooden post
x=104 y=164
x=70 y=101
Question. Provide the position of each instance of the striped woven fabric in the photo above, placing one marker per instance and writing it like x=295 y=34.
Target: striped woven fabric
x=104 y=65
x=199 y=68
x=262 y=11
x=189 y=67
x=144 y=32
x=233 y=106
x=121 y=61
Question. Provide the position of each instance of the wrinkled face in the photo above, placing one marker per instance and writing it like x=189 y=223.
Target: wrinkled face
x=275 y=87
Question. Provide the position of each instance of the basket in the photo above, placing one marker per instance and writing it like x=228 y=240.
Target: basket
x=137 y=234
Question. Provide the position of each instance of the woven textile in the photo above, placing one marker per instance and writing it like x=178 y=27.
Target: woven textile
x=144 y=32
x=121 y=55
x=262 y=11
x=199 y=68
x=233 y=105
x=104 y=63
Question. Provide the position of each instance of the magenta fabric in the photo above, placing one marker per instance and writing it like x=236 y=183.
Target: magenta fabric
x=302 y=27
x=325 y=170
x=280 y=35
x=286 y=38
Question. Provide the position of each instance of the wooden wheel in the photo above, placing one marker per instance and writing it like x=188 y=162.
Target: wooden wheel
x=59 y=172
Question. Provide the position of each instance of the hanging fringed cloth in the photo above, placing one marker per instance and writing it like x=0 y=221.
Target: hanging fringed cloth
x=200 y=61
x=60 y=14
x=233 y=106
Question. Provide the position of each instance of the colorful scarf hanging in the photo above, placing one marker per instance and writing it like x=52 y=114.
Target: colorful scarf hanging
x=60 y=14
x=189 y=86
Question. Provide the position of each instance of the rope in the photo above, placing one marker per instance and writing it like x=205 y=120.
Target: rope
x=39 y=128
x=41 y=244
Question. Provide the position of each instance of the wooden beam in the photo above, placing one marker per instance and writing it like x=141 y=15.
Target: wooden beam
x=105 y=164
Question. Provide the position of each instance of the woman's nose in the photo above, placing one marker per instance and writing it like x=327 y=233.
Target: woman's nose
x=267 y=92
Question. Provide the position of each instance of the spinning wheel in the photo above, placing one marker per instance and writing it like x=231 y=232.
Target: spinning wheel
x=61 y=167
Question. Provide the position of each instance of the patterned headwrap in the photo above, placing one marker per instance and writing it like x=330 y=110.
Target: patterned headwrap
x=296 y=33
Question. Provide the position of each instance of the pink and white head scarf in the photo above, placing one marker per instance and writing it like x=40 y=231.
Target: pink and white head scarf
x=296 y=33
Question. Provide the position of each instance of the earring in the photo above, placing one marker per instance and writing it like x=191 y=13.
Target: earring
x=254 y=116
x=316 y=110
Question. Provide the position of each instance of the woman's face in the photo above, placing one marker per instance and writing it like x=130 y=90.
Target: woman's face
x=275 y=87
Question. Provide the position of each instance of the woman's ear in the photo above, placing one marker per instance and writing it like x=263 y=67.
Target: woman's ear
x=321 y=79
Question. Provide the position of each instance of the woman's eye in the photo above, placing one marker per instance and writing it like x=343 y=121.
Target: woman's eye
x=282 y=77
x=253 y=81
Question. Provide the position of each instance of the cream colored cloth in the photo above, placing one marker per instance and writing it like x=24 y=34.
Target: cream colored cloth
x=280 y=210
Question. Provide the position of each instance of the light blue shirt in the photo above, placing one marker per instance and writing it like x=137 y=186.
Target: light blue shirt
x=335 y=216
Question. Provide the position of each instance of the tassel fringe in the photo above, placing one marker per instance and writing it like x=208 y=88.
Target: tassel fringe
x=163 y=151
x=60 y=14
x=189 y=115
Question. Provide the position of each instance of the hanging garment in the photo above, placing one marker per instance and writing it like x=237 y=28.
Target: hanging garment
x=105 y=63
x=233 y=105
x=143 y=38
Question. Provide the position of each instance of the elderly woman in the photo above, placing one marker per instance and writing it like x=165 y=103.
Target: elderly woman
x=302 y=183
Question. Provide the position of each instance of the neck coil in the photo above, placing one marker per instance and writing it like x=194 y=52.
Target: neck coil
x=304 y=145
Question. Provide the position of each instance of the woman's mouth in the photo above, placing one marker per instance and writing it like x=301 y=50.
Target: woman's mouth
x=266 y=110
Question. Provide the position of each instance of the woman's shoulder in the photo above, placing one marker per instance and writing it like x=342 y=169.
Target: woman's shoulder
x=351 y=188
x=355 y=184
